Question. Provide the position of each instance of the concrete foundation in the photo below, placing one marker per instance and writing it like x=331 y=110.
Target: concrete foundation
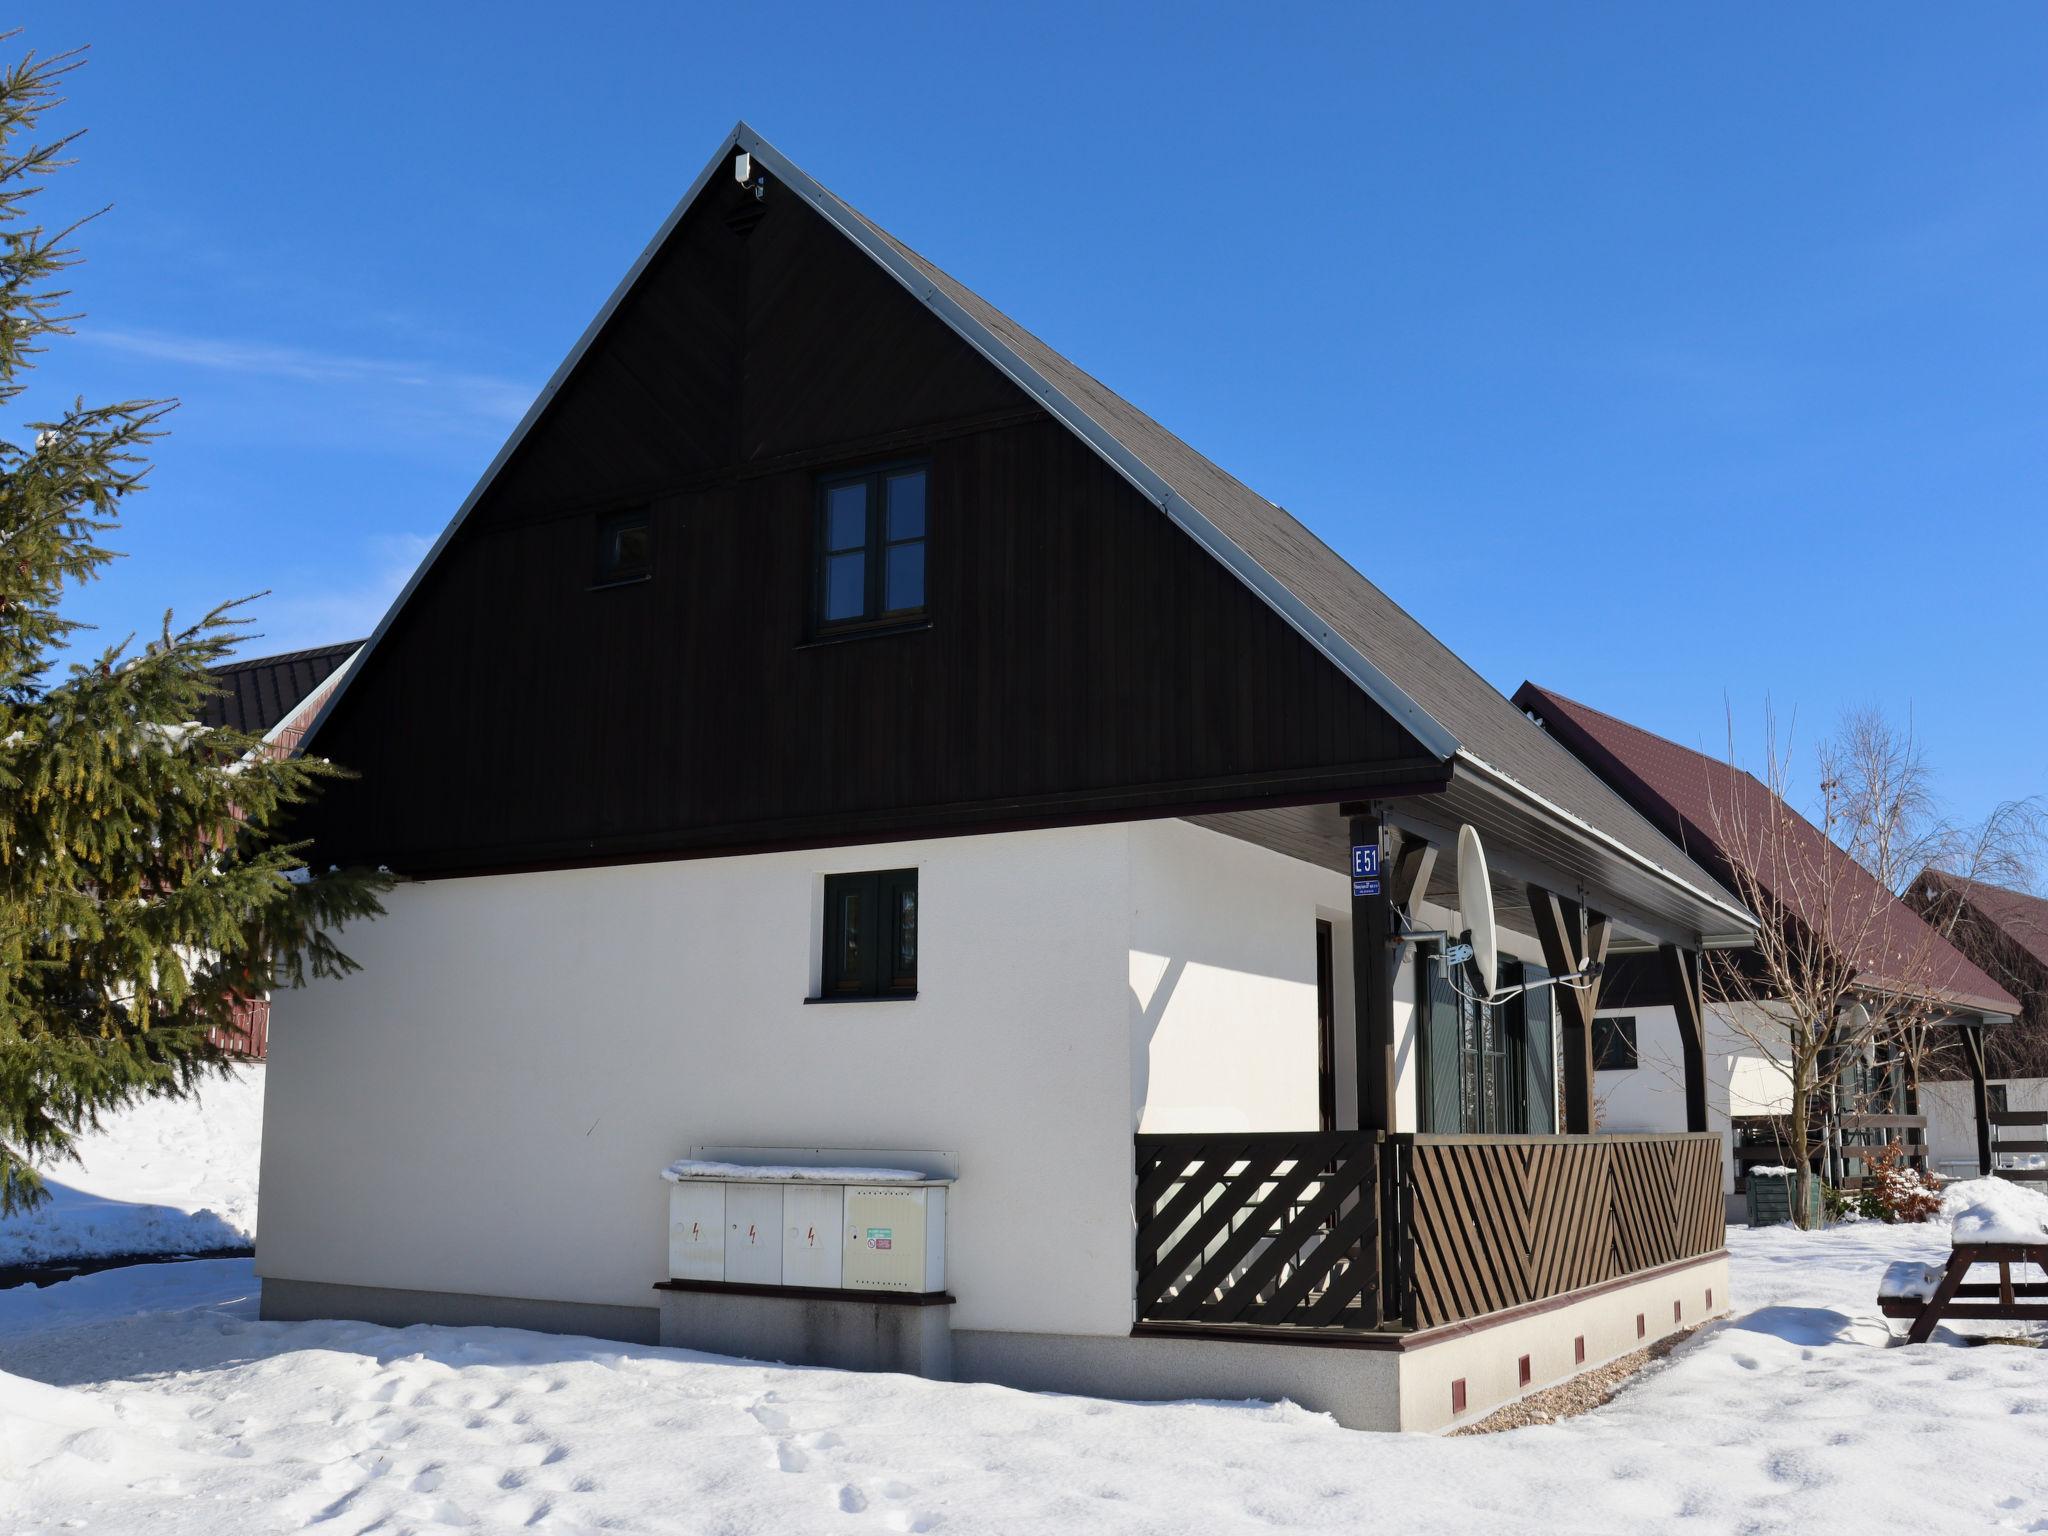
x=848 y=1332
x=293 y=1301
x=1359 y=1388
x=1428 y=1382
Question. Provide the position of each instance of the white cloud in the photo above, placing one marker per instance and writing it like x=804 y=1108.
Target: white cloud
x=482 y=395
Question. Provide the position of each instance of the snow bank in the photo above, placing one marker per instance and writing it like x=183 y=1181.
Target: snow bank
x=697 y=1168
x=1995 y=1211
x=1796 y=1416
x=163 y=1176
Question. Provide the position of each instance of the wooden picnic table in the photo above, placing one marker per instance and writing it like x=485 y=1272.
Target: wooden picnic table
x=1935 y=1296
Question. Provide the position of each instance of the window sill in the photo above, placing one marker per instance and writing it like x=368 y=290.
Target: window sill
x=880 y=997
x=622 y=581
x=867 y=632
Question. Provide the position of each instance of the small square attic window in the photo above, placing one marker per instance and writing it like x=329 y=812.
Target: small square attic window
x=625 y=547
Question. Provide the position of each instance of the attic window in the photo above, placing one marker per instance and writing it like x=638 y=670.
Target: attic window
x=870 y=550
x=625 y=547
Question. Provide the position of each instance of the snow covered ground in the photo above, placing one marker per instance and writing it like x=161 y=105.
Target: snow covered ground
x=165 y=1176
x=151 y=1400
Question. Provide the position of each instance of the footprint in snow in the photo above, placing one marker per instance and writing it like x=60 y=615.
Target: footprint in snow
x=851 y=1500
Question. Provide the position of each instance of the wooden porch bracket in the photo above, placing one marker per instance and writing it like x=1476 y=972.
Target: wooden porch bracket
x=1412 y=870
x=1682 y=971
x=1980 y=1092
x=1572 y=939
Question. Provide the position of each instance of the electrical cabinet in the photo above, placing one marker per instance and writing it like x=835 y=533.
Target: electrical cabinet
x=753 y=1234
x=696 y=1231
x=895 y=1237
x=811 y=1216
x=724 y=1227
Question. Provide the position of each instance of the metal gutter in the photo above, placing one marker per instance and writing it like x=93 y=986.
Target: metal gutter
x=1743 y=937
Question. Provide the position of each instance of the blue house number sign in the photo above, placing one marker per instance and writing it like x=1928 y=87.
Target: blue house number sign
x=1365 y=869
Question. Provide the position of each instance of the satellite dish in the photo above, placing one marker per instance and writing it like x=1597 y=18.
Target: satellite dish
x=1475 y=905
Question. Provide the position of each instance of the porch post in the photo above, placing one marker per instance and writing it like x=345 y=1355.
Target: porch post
x=1571 y=943
x=1372 y=1007
x=1973 y=1053
x=1682 y=973
x=1372 y=974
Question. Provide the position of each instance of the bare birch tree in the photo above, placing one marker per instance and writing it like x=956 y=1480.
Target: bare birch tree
x=1839 y=964
x=1900 y=831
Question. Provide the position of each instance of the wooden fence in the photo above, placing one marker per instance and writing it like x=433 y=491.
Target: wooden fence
x=251 y=1035
x=1499 y=1221
x=2002 y=1144
x=1274 y=1230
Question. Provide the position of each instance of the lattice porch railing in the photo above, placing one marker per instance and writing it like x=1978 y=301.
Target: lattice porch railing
x=1275 y=1230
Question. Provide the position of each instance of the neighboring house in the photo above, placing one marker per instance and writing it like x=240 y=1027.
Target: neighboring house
x=1695 y=799
x=2006 y=934
x=276 y=698
x=839 y=733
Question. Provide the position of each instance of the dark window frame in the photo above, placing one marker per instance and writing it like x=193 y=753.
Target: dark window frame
x=874 y=617
x=606 y=571
x=876 y=971
x=1610 y=1030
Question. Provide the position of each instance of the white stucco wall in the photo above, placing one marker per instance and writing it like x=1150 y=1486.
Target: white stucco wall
x=1223 y=983
x=1651 y=1097
x=1951 y=1110
x=484 y=1108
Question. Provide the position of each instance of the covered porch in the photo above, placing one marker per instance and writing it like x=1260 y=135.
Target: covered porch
x=1456 y=1192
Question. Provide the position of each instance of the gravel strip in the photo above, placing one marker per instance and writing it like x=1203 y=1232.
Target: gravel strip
x=1582 y=1394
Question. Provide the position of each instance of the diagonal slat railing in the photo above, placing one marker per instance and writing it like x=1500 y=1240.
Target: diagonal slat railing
x=1492 y=1222
x=1275 y=1230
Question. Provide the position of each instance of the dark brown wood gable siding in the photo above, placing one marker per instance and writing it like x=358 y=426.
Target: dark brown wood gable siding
x=1084 y=657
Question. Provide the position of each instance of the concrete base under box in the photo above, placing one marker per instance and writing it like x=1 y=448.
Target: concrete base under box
x=850 y=1332
x=1383 y=1382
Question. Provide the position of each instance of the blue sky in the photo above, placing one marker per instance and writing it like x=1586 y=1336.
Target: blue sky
x=1672 y=356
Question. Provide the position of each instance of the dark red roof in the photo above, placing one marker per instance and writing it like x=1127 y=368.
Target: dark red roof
x=1698 y=801
x=259 y=692
x=2021 y=917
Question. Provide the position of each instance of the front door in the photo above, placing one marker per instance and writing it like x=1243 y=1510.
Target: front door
x=1475 y=1063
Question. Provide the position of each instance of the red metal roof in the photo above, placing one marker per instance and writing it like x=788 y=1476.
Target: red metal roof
x=1698 y=800
x=2019 y=916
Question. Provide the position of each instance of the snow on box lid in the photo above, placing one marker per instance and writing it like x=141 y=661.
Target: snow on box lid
x=791 y=1173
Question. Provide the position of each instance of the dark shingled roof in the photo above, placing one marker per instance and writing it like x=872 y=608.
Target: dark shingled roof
x=1486 y=726
x=262 y=690
x=1698 y=799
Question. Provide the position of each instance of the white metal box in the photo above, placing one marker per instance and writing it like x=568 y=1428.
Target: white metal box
x=811 y=1217
x=696 y=1231
x=753 y=1234
x=895 y=1237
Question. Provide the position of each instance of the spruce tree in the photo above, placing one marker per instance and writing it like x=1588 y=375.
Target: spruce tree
x=143 y=888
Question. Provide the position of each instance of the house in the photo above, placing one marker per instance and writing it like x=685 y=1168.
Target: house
x=2005 y=933
x=1697 y=800
x=274 y=698
x=996 y=863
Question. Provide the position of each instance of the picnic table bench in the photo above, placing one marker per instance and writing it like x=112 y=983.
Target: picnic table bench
x=1932 y=1293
